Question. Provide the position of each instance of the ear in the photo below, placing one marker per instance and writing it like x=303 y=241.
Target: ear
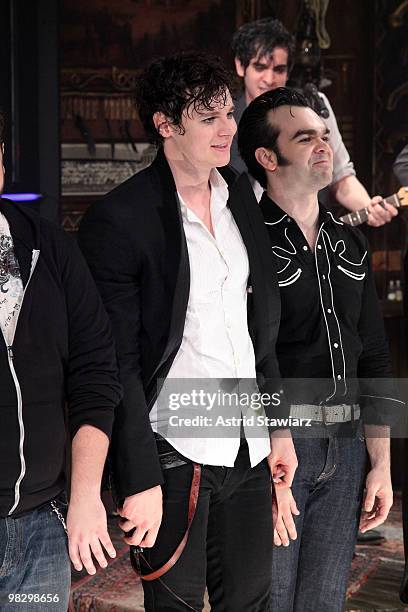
x=239 y=67
x=162 y=124
x=266 y=158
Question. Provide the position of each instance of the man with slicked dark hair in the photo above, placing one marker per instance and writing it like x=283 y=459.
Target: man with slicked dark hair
x=332 y=353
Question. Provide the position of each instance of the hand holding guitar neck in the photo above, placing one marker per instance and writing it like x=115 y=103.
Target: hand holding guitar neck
x=396 y=200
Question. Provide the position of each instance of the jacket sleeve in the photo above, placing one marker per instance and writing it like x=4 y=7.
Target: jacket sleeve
x=92 y=386
x=379 y=397
x=114 y=258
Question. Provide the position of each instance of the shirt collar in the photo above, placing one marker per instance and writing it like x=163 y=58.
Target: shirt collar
x=274 y=215
x=219 y=196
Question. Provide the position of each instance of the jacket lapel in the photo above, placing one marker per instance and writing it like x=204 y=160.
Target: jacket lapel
x=176 y=273
x=265 y=292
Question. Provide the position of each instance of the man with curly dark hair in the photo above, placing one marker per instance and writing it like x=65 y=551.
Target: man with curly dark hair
x=172 y=250
x=264 y=56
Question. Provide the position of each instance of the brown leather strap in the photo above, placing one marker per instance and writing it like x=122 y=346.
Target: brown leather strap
x=192 y=506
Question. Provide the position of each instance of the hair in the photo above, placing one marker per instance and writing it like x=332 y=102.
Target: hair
x=177 y=84
x=260 y=38
x=2 y=126
x=256 y=129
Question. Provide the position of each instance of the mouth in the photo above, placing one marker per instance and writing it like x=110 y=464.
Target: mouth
x=221 y=147
x=321 y=162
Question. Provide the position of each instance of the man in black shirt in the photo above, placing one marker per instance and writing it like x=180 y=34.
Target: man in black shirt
x=331 y=337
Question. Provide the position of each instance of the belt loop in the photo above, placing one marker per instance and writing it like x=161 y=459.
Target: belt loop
x=324 y=415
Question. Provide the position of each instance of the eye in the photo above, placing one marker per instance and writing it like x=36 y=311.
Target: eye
x=281 y=70
x=230 y=115
x=259 y=67
x=326 y=138
x=209 y=120
x=305 y=139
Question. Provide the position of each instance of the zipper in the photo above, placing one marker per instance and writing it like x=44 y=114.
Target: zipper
x=10 y=354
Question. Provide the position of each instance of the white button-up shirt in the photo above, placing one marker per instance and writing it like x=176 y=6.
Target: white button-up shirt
x=216 y=343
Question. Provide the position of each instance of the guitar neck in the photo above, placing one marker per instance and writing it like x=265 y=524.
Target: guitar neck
x=361 y=216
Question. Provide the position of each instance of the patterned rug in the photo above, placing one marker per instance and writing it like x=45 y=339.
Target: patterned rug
x=118 y=589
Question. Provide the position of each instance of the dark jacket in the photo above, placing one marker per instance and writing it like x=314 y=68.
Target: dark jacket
x=63 y=350
x=135 y=246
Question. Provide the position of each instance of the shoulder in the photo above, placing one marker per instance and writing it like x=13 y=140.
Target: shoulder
x=126 y=201
x=352 y=237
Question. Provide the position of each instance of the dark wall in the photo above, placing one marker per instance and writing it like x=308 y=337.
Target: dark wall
x=29 y=97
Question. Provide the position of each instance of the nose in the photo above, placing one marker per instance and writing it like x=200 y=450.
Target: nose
x=322 y=145
x=228 y=127
x=269 y=77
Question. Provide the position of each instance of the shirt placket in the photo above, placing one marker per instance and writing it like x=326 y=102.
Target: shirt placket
x=328 y=306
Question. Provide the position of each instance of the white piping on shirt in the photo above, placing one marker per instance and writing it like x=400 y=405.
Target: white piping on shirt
x=353 y=275
x=275 y=222
x=276 y=248
x=337 y=321
x=340 y=254
x=392 y=399
x=292 y=279
x=334 y=219
x=324 y=314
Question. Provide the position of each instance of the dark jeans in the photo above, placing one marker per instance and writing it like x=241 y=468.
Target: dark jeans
x=310 y=575
x=230 y=543
x=35 y=572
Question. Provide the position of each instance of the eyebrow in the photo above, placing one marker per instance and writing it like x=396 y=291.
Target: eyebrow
x=309 y=133
x=261 y=63
x=230 y=109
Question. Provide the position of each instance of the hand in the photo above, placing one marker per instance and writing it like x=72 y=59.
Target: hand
x=282 y=460
x=380 y=212
x=87 y=530
x=377 y=500
x=142 y=512
x=283 y=507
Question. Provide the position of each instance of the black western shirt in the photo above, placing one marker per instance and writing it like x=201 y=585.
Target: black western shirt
x=331 y=341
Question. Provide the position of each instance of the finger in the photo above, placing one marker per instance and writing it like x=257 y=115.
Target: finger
x=150 y=537
x=283 y=534
x=391 y=210
x=74 y=556
x=369 y=501
x=107 y=544
x=97 y=552
x=126 y=525
x=276 y=539
x=290 y=473
x=136 y=537
x=85 y=554
x=290 y=526
x=293 y=507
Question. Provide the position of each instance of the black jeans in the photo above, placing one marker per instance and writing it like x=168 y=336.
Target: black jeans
x=230 y=542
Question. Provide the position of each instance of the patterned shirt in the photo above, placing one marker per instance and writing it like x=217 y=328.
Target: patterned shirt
x=11 y=286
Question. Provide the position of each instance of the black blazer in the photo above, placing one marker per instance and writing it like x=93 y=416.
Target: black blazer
x=134 y=242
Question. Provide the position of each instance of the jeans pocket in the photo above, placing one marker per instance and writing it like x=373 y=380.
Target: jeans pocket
x=9 y=546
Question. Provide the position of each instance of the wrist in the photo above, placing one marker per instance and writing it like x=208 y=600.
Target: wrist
x=380 y=465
